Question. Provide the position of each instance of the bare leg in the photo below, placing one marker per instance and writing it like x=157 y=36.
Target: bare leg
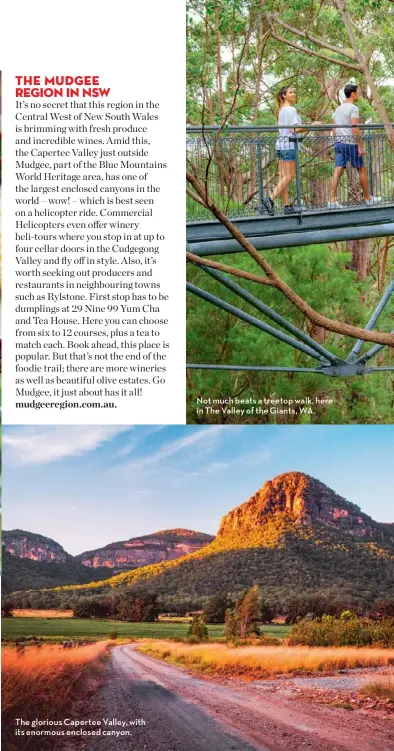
x=286 y=175
x=338 y=171
x=364 y=182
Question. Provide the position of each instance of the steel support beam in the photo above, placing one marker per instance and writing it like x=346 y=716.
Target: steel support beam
x=330 y=364
x=206 y=230
x=266 y=310
x=292 y=239
x=369 y=326
x=340 y=371
x=252 y=320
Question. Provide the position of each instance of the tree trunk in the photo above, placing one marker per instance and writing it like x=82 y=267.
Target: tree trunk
x=361 y=257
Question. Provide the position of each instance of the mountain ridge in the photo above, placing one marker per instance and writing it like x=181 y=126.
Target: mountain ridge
x=294 y=534
x=31 y=547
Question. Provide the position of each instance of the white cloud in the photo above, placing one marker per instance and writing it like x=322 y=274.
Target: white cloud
x=216 y=466
x=173 y=447
x=42 y=444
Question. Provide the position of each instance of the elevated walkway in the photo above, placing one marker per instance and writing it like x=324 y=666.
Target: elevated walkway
x=239 y=166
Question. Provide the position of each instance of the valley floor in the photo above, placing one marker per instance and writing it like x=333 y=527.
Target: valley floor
x=183 y=711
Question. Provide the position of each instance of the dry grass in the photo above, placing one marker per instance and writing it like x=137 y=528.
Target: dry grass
x=44 y=679
x=382 y=687
x=260 y=662
x=29 y=613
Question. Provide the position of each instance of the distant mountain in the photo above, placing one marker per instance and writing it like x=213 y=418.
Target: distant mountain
x=31 y=545
x=294 y=501
x=32 y=561
x=141 y=551
x=24 y=573
x=294 y=535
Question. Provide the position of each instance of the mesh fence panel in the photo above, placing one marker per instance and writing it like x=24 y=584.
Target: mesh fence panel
x=241 y=169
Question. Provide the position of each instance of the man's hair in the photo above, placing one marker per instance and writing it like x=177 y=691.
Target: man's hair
x=350 y=89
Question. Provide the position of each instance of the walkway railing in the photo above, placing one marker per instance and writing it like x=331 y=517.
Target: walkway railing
x=240 y=165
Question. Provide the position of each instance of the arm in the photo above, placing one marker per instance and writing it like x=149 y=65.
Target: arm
x=296 y=129
x=357 y=134
x=306 y=130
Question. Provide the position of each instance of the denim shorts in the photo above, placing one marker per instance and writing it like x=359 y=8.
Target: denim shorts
x=286 y=155
x=348 y=152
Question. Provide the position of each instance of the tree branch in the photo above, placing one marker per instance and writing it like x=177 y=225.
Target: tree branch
x=310 y=37
x=229 y=269
x=196 y=198
x=341 y=63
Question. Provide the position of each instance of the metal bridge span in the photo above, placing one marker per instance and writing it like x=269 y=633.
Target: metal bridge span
x=239 y=166
x=234 y=152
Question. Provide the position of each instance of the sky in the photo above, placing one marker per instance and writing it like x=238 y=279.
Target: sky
x=87 y=486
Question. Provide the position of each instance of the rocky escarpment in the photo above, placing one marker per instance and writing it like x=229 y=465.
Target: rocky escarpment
x=293 y=536
x=166 y=545
x=33 y=546
x=296 y=499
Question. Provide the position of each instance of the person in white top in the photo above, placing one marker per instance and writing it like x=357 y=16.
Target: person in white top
x=288 y=117
x=349 y=147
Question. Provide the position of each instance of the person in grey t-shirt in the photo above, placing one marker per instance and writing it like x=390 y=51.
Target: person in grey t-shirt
x=349 y=146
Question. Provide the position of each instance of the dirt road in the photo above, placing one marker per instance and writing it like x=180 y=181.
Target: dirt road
x=182 y=712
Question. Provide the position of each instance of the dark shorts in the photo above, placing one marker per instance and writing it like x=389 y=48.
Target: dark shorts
x=348 y=152
x=286 y=155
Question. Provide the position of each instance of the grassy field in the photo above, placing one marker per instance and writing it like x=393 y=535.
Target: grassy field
x=78 y=628
x=45 y=682
x=256 y=662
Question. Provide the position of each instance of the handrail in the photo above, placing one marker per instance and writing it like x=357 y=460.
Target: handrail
x=243 y=167
x=222 y=130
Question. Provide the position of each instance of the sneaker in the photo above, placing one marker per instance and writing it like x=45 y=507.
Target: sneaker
x=373 y=200
x=289 y=210
x=334 y=205
x=269 y=205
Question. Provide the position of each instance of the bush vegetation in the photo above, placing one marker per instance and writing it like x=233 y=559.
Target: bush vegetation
x=347 y=630
x=382 y=687
x=133 y=605
x=198 y=631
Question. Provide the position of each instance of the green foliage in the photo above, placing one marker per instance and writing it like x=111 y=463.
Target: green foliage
x=113 y=634
x=320 y=275
x=242 y=620
x=137 y=606
x=134 y=606
x=215 y=609
x=212 y=79
x=198 y=631
x=315 y=605
x=231 y=630
x=22 y=572
x=343 y=632
x=304 y=570
x=247 y=611
x=346 y=615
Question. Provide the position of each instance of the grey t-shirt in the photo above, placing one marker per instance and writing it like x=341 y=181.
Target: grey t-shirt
x=343 y=116
x=289 y=117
